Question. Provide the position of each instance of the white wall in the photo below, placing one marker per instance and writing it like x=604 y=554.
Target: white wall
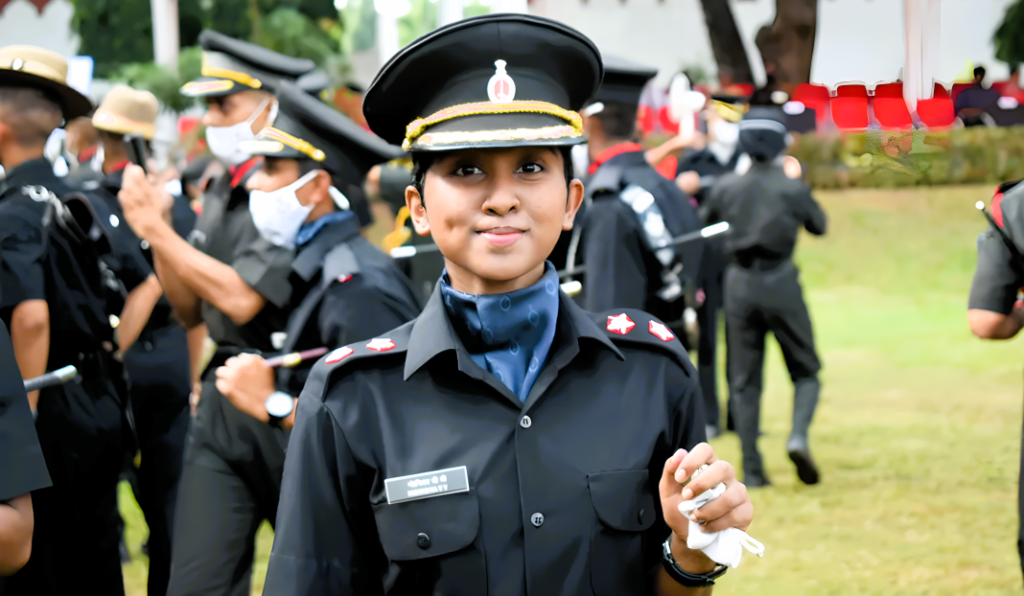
x=856 y=39
x=21 y=23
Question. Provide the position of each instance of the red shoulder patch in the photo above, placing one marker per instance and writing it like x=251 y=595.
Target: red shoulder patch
x=997 y=208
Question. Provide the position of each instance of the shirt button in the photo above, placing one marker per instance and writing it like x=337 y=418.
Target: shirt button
x=423 y=541
x=526 y=422
x=537 y=519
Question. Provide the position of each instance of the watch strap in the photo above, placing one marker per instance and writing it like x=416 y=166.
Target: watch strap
x=685 y=578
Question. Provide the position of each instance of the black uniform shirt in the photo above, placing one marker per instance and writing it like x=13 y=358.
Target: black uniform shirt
x=21 y=233
x=344 y=290
x=705 y=163
x=765 y=210
x=622 y=271
x=563 y=489
x=24 y=469
x=225 y=231
x=1000 y=271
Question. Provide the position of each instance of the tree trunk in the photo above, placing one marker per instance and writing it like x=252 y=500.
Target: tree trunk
x=730 y=55
x=787 y=46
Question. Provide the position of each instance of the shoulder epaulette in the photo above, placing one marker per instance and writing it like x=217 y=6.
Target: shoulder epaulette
x=1006 y=201
x=319 y=377
x=633 y=326
x=340 y=265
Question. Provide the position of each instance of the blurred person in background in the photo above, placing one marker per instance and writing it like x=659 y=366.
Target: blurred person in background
x=152 y=344
x=994 y=310
x=54 y=300
x=765 y=209
x=631 y=213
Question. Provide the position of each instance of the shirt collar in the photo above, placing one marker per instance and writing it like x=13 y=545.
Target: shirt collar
x=612 y=152
x=309 y=230
x=432 y=333
x=330 y=233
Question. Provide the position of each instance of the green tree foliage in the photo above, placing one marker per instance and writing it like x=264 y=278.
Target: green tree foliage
x=160 y=81
x=1009 y=37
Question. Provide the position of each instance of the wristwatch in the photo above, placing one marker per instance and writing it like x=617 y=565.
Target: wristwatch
x=690 y=580
x=279 y=406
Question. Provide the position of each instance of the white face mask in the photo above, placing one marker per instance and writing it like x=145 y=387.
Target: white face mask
x=725 y=137
x=224 y=140
x=278 y=214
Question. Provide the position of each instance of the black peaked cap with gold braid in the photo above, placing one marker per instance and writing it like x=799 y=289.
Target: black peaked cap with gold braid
x=307 y=128
x=232 y=66
x=503 y=80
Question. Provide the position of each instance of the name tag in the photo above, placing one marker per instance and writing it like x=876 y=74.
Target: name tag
x=426 y=485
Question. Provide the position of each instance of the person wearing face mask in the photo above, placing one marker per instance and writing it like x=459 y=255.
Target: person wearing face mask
x=696 y=175
x=344 y=288
x=226 y=277
x=766 y=208
x=631 y=213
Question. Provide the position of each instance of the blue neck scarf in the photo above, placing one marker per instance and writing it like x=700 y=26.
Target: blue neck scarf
x=509 y=335
x=309 y=230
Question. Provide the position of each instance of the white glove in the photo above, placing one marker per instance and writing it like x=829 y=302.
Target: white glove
x=725 y=547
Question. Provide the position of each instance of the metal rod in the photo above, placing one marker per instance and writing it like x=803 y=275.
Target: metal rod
x=50 y=379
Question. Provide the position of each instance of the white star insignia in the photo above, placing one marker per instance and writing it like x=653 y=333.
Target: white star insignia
x=620 y=324
x=660 y=331
x=339 y=355
x=380 y=344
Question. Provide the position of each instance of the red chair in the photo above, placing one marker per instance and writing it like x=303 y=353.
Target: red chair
x=958 y=87
x=1000 y=86
x=645 y=119
x=815 y=97
x=850 y=106
x=890 y=108
x=937 y=112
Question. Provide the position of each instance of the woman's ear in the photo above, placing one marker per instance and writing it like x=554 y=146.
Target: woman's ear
x=418 y=214
x=572 y=205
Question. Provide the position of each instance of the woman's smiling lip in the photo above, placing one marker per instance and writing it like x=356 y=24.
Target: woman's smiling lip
x=503 y=236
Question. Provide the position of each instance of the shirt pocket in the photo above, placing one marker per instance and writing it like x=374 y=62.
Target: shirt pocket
x=624 y=507
x=432 y=544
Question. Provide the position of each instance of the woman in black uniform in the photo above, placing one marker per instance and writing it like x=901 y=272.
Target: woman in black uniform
x=506 y=441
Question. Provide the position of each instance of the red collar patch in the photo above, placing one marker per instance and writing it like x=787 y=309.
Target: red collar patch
x=620 y=324
x=660 y=331
x=339 y=355
x=612 y=152
x=380 y=344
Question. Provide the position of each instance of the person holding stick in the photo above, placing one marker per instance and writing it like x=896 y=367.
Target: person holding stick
x=345 y=289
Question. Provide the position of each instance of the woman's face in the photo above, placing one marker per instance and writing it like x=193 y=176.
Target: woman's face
x=496 y=214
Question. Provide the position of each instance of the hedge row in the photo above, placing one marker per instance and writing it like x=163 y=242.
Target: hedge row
x=894 y=159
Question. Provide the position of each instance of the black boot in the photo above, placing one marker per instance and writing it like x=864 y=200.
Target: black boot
x=748 y=420
x=805 y=400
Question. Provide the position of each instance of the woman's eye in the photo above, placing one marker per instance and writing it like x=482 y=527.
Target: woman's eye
x=531 y=168
x=467 y=171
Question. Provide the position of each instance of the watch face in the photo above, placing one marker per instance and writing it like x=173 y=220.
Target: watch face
x=280 y=405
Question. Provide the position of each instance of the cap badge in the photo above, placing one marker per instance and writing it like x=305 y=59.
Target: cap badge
x=17 y=64
x=620 y=324
x=501 y=87
x=660 y=331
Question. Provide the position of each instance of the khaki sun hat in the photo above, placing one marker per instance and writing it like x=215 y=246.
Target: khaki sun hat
x=37 y=68
x=127 y=111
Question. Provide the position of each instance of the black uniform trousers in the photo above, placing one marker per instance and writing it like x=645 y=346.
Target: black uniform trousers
x=75 y=542
x=230 y=483
x=158 y=373
x=712 y=269
x=763 y=298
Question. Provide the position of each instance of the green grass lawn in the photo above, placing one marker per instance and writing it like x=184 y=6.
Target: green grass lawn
x=918 y=431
